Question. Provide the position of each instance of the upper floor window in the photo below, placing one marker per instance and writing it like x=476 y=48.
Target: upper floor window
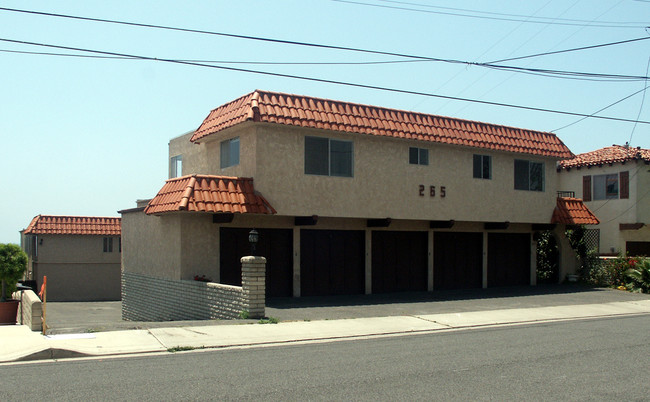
x=230 y=152
x=606 y=186
x=418 y=156
x=328 y=157
x=108 y=244
x=176 y=166
x=529 y=175
x=482 y=167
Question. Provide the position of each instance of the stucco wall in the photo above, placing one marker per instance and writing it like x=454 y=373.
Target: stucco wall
x=200 y=246
x=77 y=268
x=386 y=185
x=152 y=244
x=643 y=195
x=614 y=211
x=194 y=155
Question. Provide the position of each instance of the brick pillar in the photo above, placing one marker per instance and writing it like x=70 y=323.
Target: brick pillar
x=253 y=281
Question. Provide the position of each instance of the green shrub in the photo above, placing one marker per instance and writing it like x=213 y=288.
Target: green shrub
x=13 y=262
x=639 y=274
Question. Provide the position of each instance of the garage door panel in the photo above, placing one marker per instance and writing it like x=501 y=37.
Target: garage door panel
x=276 y=245
x=458 y=260
x=332 y=262
x=508 y=259
x=399 y=261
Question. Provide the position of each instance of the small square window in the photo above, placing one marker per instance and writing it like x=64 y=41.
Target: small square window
x=230 y=152
x=418 y=156
x=482 y=167
x=606 y=187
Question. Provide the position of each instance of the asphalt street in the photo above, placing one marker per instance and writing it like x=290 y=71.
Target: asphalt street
x=599 y=359
x=71 y=317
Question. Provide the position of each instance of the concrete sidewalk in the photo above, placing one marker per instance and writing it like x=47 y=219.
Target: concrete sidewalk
x=20 y=344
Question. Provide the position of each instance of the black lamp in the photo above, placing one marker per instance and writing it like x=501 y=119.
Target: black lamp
x=253 y=238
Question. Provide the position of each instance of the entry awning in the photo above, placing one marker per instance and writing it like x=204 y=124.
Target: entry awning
x=573 y=211
x=208 y=193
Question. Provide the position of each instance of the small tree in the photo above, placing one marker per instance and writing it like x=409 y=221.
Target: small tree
x=13 y=262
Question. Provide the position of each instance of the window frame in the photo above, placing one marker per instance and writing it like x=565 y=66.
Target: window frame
x=317 y=167
x=108 y=244
x=227 y=155
x=531 y=166
x=174 y=164
x=481 y=166
x=604 y=180
x=418 y=156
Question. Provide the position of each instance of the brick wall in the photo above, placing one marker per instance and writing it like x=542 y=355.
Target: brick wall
x=32 y=309
x=146 y=298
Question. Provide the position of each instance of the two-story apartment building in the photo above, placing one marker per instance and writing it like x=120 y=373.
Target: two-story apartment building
x=349 y=198
x=80 y=255
x=615 y=184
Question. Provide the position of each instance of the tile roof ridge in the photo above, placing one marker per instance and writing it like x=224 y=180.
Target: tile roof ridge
x=383 y=108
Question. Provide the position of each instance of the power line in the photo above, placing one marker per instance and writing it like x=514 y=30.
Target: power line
x=570 y=50
x=288 y=42
x=494 y=18
x=576 y=75
x=642 y=102
x=600 y=110
x=551 y=19
x=216 y=61
x=326 y=81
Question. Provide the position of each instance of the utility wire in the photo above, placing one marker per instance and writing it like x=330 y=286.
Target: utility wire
x=530 y=21
x=327 y=81
x=551 y=19
x=288 y=42
x=569 y=50
x=575 y=75
x=91 y=56
x=600 y=110
x=642 y=102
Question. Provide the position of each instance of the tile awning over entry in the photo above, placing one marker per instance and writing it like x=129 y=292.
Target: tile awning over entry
x=326 y=114
x=74 y=225
x=208 y=193
x=572 y=211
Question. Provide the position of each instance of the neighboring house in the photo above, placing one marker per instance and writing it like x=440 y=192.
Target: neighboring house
x=80 y=256
x=349 y=199
x=615 y=184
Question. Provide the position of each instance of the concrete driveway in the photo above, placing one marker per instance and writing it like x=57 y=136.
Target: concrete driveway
x=75 y=317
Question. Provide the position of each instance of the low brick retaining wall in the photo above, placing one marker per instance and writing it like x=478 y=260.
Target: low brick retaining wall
x=32 y=309
x=146 y=298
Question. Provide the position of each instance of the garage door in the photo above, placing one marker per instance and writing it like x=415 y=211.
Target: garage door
x=638 y=248
x=274 y=244
x=399 y=261
x=457 y=260
x=332 y=262
x=508 y=259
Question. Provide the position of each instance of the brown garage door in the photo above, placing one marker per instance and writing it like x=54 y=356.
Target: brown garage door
x=457 y=260
x=332 y=262
x=399 y=261
x=638 y=248
x=508 y=259
x=274 y=244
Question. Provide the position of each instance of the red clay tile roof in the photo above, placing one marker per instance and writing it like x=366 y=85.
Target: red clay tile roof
x=75 y=225
x=304 y=111
x=207 y=193
x=607 y=155
x=572 y=211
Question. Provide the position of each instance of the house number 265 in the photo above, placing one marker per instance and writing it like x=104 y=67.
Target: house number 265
x=432 y=191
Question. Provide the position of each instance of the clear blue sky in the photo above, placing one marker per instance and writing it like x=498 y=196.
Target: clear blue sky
x=86 y=136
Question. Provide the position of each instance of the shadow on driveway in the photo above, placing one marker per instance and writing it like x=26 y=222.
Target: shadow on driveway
x=76 y=317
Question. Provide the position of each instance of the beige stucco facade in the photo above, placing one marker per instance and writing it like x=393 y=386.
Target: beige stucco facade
x=614 y=212
x=384 y=184
x=76 y=266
